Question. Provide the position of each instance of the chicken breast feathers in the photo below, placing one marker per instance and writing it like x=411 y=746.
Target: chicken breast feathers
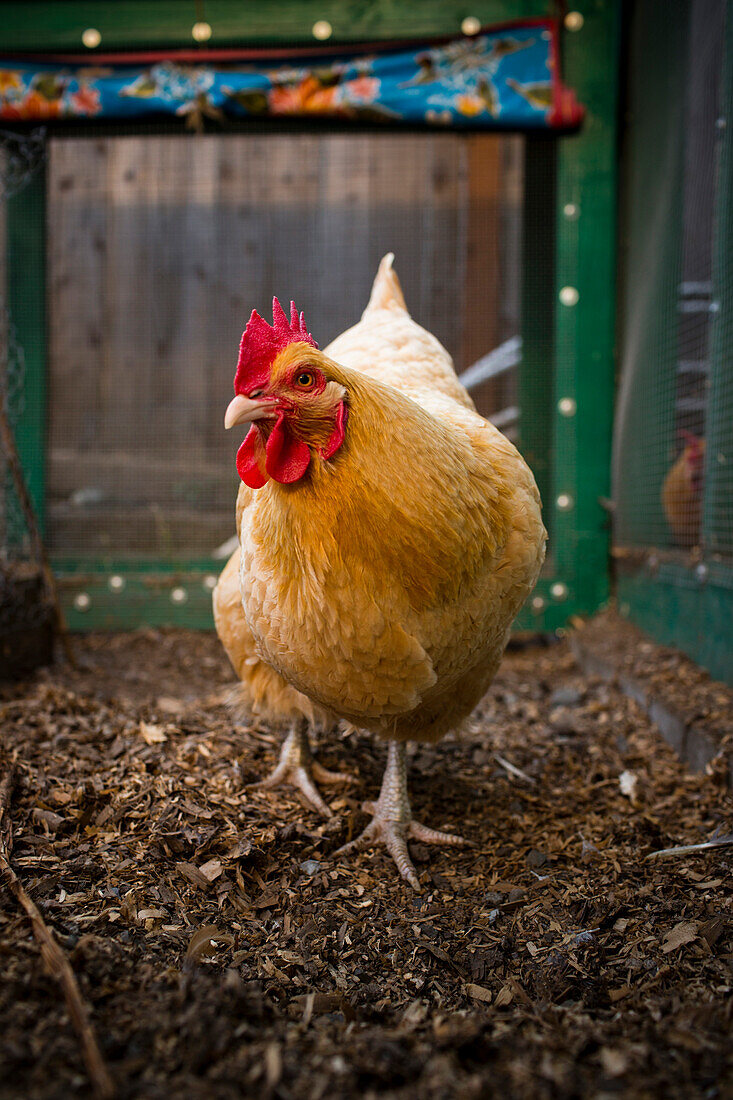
x=383 y=587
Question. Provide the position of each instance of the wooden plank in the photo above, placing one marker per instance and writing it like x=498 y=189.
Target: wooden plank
x=161 y=246
x=171 y=531
x=444 y=201
x=350 y=229
x=87 y=478
x=77 y=270
x=480 y=321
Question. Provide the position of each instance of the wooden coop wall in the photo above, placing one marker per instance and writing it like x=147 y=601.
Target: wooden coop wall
x=158 y=246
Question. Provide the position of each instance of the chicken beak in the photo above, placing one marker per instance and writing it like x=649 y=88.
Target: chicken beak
x=243 y=410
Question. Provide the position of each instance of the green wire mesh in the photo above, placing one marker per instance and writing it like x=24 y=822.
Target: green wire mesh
x=24 y=601
x=673 y=461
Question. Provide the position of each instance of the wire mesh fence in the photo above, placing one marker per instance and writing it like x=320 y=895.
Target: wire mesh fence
x=25 y=602
x=673 y=465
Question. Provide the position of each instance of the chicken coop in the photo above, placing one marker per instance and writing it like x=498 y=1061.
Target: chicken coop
x=152 y=194
x=140 y=236
x=204 y=889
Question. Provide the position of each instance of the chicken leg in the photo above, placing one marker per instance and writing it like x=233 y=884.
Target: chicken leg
x=297 y=768
x=392 y=821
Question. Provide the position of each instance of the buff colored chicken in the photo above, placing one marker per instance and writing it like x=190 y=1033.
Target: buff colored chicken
x=682 y=492
x=388 y=535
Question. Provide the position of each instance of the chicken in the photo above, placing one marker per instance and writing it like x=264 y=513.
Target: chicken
x=389 y=536
x=682 y=492
x=263 y=693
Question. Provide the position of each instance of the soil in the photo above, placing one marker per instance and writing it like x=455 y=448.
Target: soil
x=224 y=952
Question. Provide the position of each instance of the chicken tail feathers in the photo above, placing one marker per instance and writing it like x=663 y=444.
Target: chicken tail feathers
x=386 y=291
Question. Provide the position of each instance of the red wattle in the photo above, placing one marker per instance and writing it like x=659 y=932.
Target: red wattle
x=251 y=460
x=338 y=434
x=287 y=458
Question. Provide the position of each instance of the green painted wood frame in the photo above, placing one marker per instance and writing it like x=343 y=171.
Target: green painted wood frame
x=570 y=355
x=570 y=406
x=37 y=25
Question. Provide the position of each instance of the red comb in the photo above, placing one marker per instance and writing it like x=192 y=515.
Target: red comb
x=262 y=342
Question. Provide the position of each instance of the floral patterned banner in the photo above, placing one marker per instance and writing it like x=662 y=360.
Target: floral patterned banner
x=507 y=77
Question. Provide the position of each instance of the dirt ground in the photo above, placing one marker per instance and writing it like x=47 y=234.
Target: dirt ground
x=225 y=953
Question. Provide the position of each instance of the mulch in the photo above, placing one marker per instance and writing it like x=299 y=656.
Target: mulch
x=223 y=951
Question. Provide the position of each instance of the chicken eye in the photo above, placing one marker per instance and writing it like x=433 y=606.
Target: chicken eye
x=305 y=379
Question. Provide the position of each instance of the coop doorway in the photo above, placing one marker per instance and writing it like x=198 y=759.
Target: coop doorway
x=158 y=247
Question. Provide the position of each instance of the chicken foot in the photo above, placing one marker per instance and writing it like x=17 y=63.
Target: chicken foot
x=297 y=768
x=392 y=821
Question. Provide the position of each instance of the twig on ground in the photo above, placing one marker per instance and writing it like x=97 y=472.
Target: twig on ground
x=688 y=849
x=513 y=769
x=54 y=958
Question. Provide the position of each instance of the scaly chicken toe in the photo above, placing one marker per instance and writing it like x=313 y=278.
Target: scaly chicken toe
x=392 y=822
x=323 y=775
x=298 y=769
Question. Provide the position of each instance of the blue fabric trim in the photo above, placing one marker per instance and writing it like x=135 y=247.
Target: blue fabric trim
x=505 y=78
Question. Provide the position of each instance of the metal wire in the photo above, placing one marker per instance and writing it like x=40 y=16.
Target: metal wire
x=24 y=598
x=674 y=496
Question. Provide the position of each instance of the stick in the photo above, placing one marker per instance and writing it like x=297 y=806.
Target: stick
x=54 y=958
x=16 y=469
x=688 y=849
x=513 y=769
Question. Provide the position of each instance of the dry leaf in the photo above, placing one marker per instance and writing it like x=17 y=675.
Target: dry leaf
x=49 y=818
x=152 y=734
x=684 y=932
x=480 y=993
x=504 y=997
x=194 y=876
x=711 y=930
x=211 y=870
